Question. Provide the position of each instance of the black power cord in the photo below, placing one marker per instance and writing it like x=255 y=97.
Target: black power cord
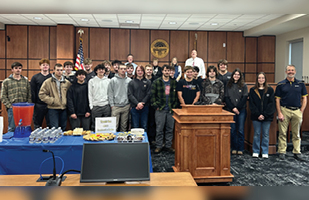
x=60 y=177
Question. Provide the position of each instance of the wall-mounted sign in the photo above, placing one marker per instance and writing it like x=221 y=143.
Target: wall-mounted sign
x=159 y=48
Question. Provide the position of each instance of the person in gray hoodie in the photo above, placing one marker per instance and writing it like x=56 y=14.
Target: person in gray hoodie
x=97 y=94
x=118 y=98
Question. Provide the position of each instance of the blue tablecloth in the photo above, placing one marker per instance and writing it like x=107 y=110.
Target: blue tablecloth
x=18 y=156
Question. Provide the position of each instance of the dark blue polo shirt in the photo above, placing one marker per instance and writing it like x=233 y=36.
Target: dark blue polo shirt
x=290 y=93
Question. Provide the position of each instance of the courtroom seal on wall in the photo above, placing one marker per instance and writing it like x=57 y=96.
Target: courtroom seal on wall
x=159 y=48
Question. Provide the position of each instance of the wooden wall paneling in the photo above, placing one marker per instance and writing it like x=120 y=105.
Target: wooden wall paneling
x=95 y=63
x=214 y=64
x=17 y=46
x=9 y=62
x=32 y=73
x=233 y=66
x=251 y=49
x=270 y=77
x=201 y=44
x=264 y=67
x=2 y=43
x=99 y=44
x=38 y=42
x=52 y=65
x=250 y=77
x=266 y=48
x=251 y=68
x=2 y=74
x=140 y=47
x=179 y=45
x=33 y=64
x=65 y=41
x=62 y=61
x=155 y=34
x=2 y=63
x=141 y=63
x=52 y=42
x=235 y=47
x=120 y=42
x=85 y=38
x=216 y=51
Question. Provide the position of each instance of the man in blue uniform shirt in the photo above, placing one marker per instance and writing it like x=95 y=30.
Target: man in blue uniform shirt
x=291 y=100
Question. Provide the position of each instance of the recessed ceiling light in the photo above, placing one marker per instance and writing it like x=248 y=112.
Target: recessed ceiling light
x=214 y=24
x=129 y=21
x=172 y=23
x=84 y=20
x=194 y=23
x=37 y=18
x=107 y=20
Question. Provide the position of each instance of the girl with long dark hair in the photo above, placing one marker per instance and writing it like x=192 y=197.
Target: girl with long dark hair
x=236 y=99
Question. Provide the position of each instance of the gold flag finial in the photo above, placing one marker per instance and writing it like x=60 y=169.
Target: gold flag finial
x=81 y=32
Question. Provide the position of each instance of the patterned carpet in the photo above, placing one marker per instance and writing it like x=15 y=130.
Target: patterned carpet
x=250 y=171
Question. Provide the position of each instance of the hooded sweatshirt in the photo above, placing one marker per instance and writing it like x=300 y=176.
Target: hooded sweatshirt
x=118 y=91
x=77 y=99
x=97 y=91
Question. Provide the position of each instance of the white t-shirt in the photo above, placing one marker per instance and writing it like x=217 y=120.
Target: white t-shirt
x=199 y=63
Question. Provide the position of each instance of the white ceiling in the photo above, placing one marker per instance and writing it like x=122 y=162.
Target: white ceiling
x=263 y=17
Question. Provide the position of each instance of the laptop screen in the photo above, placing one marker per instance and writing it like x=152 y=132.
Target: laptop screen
x=115 y=162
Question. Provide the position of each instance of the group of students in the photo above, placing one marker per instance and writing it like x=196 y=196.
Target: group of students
x=141 y=97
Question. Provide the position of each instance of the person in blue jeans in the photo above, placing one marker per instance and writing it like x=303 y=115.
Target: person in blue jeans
x=262 y=106
x=236 y=102
x=139 y=90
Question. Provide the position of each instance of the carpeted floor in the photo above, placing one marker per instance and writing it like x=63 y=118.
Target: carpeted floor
x=250 y=171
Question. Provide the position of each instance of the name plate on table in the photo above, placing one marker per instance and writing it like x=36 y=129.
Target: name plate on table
x=105 y=124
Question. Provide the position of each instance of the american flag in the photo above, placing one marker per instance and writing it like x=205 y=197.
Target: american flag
x=79 y=64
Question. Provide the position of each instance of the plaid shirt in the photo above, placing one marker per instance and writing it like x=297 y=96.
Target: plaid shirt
x=15 y=91
x=158 y=97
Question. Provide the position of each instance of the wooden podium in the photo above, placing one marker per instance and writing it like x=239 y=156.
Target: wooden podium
x=202 y=142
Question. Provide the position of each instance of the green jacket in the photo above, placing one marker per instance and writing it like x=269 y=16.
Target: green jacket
x=15 y=91
x=158 y=97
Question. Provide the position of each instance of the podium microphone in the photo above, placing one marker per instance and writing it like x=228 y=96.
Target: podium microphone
x=54 y=181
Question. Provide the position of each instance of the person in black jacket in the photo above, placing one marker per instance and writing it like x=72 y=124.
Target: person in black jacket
x=139 y=90
x=262 y=106
x=236 y=99
x=78 y=103
x=40 y=108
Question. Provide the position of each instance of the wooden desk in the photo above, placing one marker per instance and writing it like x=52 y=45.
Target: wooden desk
x=156 y=179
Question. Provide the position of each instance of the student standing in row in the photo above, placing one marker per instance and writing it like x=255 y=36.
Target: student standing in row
x=178 y=69
x=40 y=107
x=54 y=93
x=236 y=101
x=15 y=89
x=78 y=103
x=187 y=89
x=212 y=88
x=164 y=99
x=139 y=96
x=98 y=96
x=118 y=98
x=262 y=107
